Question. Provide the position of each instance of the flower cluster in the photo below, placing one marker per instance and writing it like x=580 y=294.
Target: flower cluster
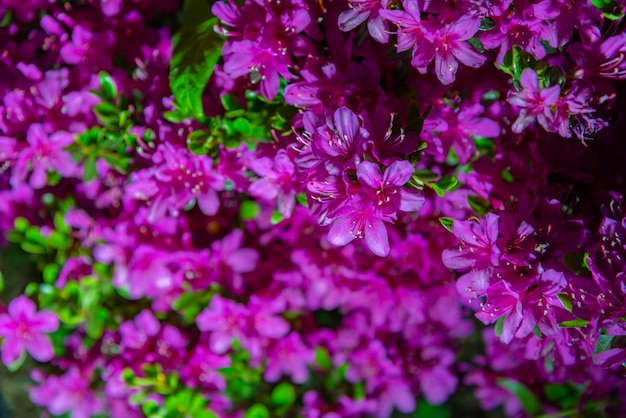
x=285 y=208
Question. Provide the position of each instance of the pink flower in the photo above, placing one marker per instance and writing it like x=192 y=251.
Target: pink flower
x=23 y=328
x=535 y=102
x=43 y=153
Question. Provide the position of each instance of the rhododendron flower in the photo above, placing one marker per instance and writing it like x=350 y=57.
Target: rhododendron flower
x=380 y=200
x=535 y=102
x=43 y=153
x=23 y=328
x=448 y=46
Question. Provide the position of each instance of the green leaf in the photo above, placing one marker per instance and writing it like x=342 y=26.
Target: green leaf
x=248 y=210
x=499 y=326
x=108 y=114
x=487 y=24
x=107 y=85
x=283 y=395
x=50 y=273
x=231 y=102
x=257 y=411
x=425 y=176
x=21 y=224
x=447 y=182
x=603 y=343
x=446 y=222
x=90 y=171
x=507 y=176
x=475 y=42
x=424 y=409
x=479 y=205
x=196 y=50
x=1 y=281
x=277 y=217
x=322 y=359
x=17 y=363
x=57 y=241
x=566 y=300
x=199 y=142
x=576 y=264
x=574 y=323
x=528 y=399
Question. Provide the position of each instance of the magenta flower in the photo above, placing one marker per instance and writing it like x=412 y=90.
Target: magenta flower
x=535 y=102
x=23 y=328
x=290 y=356
x=447 y=45
x=226 y=320
x=361 y=10
x=68 y=394
x=379 y=200
x=43 y=153
x=276 y=181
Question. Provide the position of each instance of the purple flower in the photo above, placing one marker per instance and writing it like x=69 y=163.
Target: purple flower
x=43 y=153
x=379 y=200
x=176 y=179
x=23 y=328
x=448 y=45
x=70 y=393
x=289 y=356
x=276 y=181
x=478 y=247
x=362 y=10
x=226 y=320
x=535 y=102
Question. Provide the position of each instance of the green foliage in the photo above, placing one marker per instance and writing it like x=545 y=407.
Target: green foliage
x=479 y=205
x=517 y=60
x=577 y=263
x=112 y=139
x=527 y=398
x=252 y=122
x=610 y=9
x=191 y=303
x=248 y=210
x=421 y=178
x=196 y=50
x=446 y=222
x=178 y=401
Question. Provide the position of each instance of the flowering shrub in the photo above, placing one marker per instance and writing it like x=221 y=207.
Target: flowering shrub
x=317 y=209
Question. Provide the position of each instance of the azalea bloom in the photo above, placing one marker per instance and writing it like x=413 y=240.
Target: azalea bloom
x=535 y=102
x=43 y=153
x=448 y=45
x=23 y=328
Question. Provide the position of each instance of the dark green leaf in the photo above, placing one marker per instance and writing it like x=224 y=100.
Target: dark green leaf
x=475 y=42
x=528 y=399
x=566 y=300
x=479 y=205
x=446 y=222
x=447 y=182
x=196 y=50
x=603 y=343
x=487 y=24
x=576 y=264
x=424 y=409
